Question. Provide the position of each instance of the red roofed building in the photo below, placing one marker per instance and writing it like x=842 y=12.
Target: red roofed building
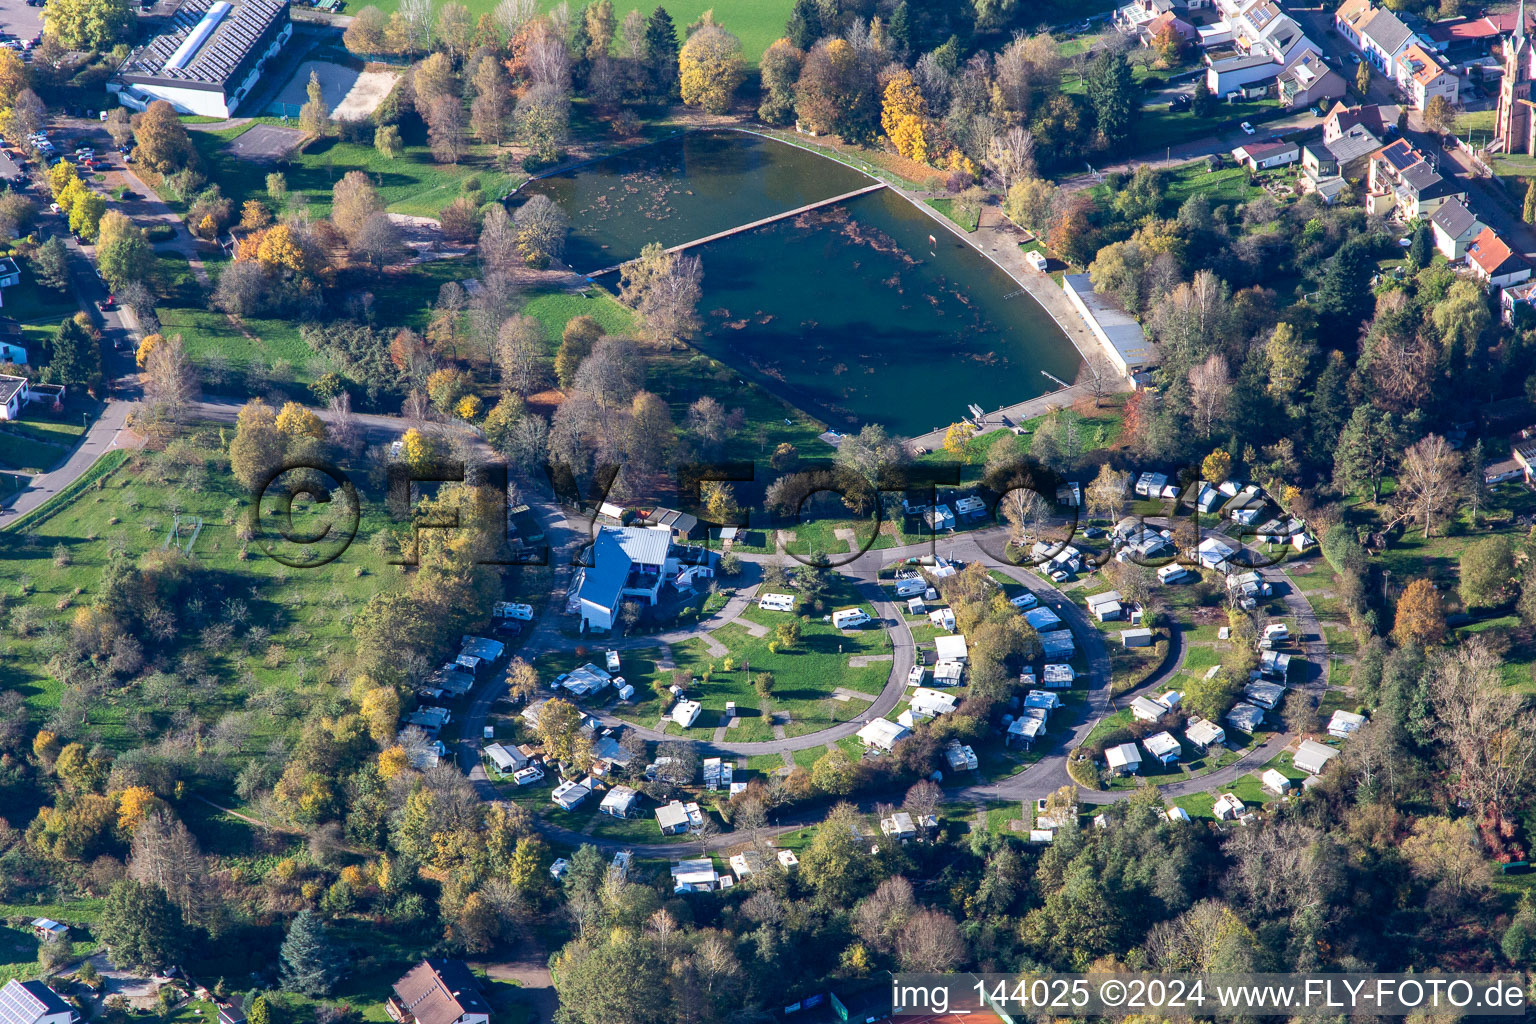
x=1493 y=262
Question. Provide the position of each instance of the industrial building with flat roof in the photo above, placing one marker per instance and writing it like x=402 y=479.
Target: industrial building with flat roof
x=208 y=59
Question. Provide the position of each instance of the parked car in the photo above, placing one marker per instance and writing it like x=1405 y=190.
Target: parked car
x=107 y=304
x=1247 y=128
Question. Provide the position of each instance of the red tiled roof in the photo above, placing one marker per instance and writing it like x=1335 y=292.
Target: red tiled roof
x=1489 y=251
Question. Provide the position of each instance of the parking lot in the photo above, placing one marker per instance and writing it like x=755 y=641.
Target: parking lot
x=19 y=20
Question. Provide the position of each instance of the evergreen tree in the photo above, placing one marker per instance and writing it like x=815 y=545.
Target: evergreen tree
x=1112 y=93
x=1529 y=214
x=804 y=27
x=1421 y=250
x=308 y=962
x=1345 y=297
x=141 y=927
x=900 y=29
x=258 y=1012
x=75 y=353
x=1202 y=104
x=581 y=43
x=1329 y=410
x=661 y=52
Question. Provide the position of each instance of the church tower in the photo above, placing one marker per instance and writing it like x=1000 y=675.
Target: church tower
x=1513 y=122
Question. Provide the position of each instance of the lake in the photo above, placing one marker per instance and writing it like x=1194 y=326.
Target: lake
x=845 y=311
x=686 y=187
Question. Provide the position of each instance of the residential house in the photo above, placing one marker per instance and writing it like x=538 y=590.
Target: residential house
x=1265 y=695
x=1494 y=263
x=620 y=802
x=945 y=673
x=1403 y=181
x=586 y=680
x=1123 y=759
x=698 y=875
x=1261 y=156
x=1517 y=299
x=1057 y=676
x=1344 y=724
x=1152 y=32
x=438 y=991
x=13 y=396
x=10 y=275
x=672 y=818
x=1383 y=38
x=505 y=760
x=229 y=1013
x=1245 y=717
x=1163 y=746
x=33 y=1002
x=1312 y=757
x=899 y=826
x=1105 y=606
x=1203 y=734
x=429 y=719
x=48 y=930
x=1423 y=76
x=1350 y=19
x=883 y=734
x=1454 y=227
x=1147 y=709
x=1026 y=729
x=1309 y=81
x=1228 y=807
x=12 y=353
x=1342 y=119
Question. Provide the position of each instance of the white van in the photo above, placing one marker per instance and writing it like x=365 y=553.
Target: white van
x=849 y=618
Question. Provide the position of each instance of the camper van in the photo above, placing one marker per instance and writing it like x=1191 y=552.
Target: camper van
x=1173 y=573
x=848 y=618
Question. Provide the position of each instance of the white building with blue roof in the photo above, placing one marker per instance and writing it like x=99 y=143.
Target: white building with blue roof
x=625 y=562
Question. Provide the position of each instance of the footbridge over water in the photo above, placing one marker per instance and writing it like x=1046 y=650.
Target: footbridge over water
x=797 y=211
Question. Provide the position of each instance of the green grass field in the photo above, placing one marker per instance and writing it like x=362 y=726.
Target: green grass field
x=307 y=612
x=805 y=677
x=756 y=22
x=950 y=209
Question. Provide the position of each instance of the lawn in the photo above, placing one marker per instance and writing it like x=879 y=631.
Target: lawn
x=304 y=615
x=951 y=209
x=757 y=23
x=18 y=451
x=243 y=344
x=1159 y=126
x=804 y=679
x=414 y=183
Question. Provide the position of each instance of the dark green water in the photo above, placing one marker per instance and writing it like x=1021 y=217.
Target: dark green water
x=846 y=311
x=685 y=188
x=849 y=314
